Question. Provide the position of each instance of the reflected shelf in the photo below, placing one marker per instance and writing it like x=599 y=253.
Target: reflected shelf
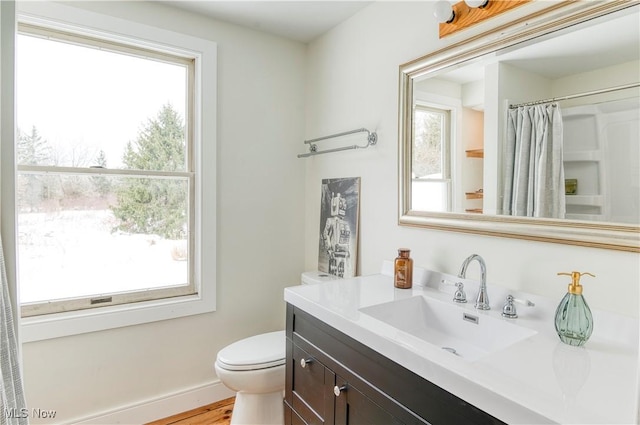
x=474 y=195
x=475 y=153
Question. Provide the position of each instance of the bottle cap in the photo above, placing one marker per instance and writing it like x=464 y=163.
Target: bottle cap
x=575 y=287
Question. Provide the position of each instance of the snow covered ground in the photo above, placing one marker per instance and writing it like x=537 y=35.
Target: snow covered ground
x=72 y=253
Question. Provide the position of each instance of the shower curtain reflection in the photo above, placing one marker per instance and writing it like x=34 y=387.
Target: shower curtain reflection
x=533 y=166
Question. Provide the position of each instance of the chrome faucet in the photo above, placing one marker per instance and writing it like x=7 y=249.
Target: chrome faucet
x=482 y=300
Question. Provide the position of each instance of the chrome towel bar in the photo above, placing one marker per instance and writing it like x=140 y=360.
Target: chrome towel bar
x=372 y=139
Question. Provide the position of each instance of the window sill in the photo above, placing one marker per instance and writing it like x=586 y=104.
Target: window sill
x=83 y=321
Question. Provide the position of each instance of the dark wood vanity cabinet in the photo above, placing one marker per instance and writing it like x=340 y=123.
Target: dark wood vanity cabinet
x=333 y=379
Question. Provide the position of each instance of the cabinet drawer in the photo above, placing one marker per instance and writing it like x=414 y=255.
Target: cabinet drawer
x=310 y=383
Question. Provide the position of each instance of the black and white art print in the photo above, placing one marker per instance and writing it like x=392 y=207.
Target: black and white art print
x=339 y=212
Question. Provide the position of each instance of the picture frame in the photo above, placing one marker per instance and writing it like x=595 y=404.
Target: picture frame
x=338 y=237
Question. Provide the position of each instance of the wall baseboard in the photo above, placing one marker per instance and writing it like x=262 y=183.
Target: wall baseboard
x=162 y=406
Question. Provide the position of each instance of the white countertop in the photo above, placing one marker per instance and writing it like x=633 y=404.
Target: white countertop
x=536 y=380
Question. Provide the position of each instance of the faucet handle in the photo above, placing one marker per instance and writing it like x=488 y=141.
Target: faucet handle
x=459 y=296
x=509 y=309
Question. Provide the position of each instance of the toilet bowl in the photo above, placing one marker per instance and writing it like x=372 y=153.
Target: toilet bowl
x=254 y=367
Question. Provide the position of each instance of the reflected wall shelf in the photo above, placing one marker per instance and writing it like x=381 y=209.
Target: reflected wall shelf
x=591 y=217
x=594 y=200
x=576 y=156
x=584 y=140
x=474 y=195
x=475 y=153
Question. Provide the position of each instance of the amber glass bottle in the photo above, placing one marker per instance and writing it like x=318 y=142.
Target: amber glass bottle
x=403 y=270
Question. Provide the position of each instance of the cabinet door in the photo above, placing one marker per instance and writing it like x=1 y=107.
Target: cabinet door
x=312 y=388
x=355 y=408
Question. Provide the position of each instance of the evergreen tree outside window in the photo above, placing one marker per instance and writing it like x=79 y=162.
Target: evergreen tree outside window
x=105 y=177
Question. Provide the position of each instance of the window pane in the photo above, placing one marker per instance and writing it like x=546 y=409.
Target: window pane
x=427 y=143
x=83 y=235
x=429 y=195
x=81 y=106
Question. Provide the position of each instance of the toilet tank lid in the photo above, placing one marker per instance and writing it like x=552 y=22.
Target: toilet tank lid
x=316 y=277
x=264 y=350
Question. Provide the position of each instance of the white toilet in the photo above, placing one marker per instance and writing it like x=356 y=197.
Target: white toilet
x=254 y=367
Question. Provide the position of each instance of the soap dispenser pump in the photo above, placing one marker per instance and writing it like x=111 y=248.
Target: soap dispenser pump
x=574 y=321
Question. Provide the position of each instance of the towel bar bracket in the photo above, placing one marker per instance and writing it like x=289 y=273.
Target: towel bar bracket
x=372 y=139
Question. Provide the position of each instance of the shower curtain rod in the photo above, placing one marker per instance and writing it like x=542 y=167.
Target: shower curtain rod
x=573 y=96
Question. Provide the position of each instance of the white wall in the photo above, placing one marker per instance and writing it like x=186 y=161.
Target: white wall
x=260 y=229
x=617 y=75
x=352 y=82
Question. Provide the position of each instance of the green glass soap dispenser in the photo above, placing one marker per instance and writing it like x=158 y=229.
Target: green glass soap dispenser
x=574 y=322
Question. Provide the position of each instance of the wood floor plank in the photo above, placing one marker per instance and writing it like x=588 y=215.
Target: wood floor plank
x=218 y=413
x=213 y=417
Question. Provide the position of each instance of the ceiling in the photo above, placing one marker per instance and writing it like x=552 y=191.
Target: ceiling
x=593 y=45
x=305 y=20
x=296 y=20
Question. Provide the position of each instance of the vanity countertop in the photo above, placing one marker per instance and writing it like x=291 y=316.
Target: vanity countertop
x=536 y=380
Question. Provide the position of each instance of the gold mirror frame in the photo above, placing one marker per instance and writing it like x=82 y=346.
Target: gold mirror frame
x=554 y=18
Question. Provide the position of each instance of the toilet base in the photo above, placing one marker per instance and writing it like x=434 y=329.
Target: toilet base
x=264 y=409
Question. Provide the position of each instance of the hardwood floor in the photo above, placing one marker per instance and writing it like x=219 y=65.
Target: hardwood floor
x=218 y=413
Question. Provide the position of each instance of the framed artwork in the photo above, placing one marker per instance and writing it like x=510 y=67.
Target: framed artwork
x=339 y=212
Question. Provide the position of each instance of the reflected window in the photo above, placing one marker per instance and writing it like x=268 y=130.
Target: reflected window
x=431 y=159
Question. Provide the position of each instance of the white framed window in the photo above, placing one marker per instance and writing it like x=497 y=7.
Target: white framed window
x=105 y=178
x=109 y=152
x=431 y=159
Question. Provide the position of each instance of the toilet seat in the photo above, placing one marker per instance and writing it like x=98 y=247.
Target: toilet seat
x=257 y=352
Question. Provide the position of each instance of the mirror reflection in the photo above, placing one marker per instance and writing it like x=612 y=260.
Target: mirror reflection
x=548 y=128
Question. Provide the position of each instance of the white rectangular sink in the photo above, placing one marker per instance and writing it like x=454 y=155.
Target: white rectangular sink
x=460 y=331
